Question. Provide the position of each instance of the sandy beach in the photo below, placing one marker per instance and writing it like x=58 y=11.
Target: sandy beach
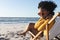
x=9 y=31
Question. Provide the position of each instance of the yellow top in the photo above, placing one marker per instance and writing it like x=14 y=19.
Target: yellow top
x=40 y=25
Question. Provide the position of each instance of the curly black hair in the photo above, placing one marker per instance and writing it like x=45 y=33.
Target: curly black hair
x=48 y=5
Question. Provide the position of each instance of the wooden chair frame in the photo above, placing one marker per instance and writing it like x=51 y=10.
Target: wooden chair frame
x=47 y=28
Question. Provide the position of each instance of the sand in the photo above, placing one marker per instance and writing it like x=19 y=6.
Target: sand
x=9 y=31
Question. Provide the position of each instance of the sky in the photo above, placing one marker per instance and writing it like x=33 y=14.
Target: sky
x=22 y=8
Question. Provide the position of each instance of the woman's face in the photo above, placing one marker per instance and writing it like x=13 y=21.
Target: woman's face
x=42 y=12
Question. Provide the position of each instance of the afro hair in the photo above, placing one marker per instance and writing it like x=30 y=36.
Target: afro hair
x=48 y=5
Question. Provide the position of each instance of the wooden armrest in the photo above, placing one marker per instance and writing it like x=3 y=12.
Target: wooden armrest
x=56 y=14
x=32 y=34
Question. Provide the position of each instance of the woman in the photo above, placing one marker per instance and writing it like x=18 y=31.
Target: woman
x=45 y=11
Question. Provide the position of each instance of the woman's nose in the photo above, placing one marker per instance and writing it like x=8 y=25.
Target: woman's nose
x=40 y=13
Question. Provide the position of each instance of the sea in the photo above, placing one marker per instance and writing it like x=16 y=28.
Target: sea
x=13 y=20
